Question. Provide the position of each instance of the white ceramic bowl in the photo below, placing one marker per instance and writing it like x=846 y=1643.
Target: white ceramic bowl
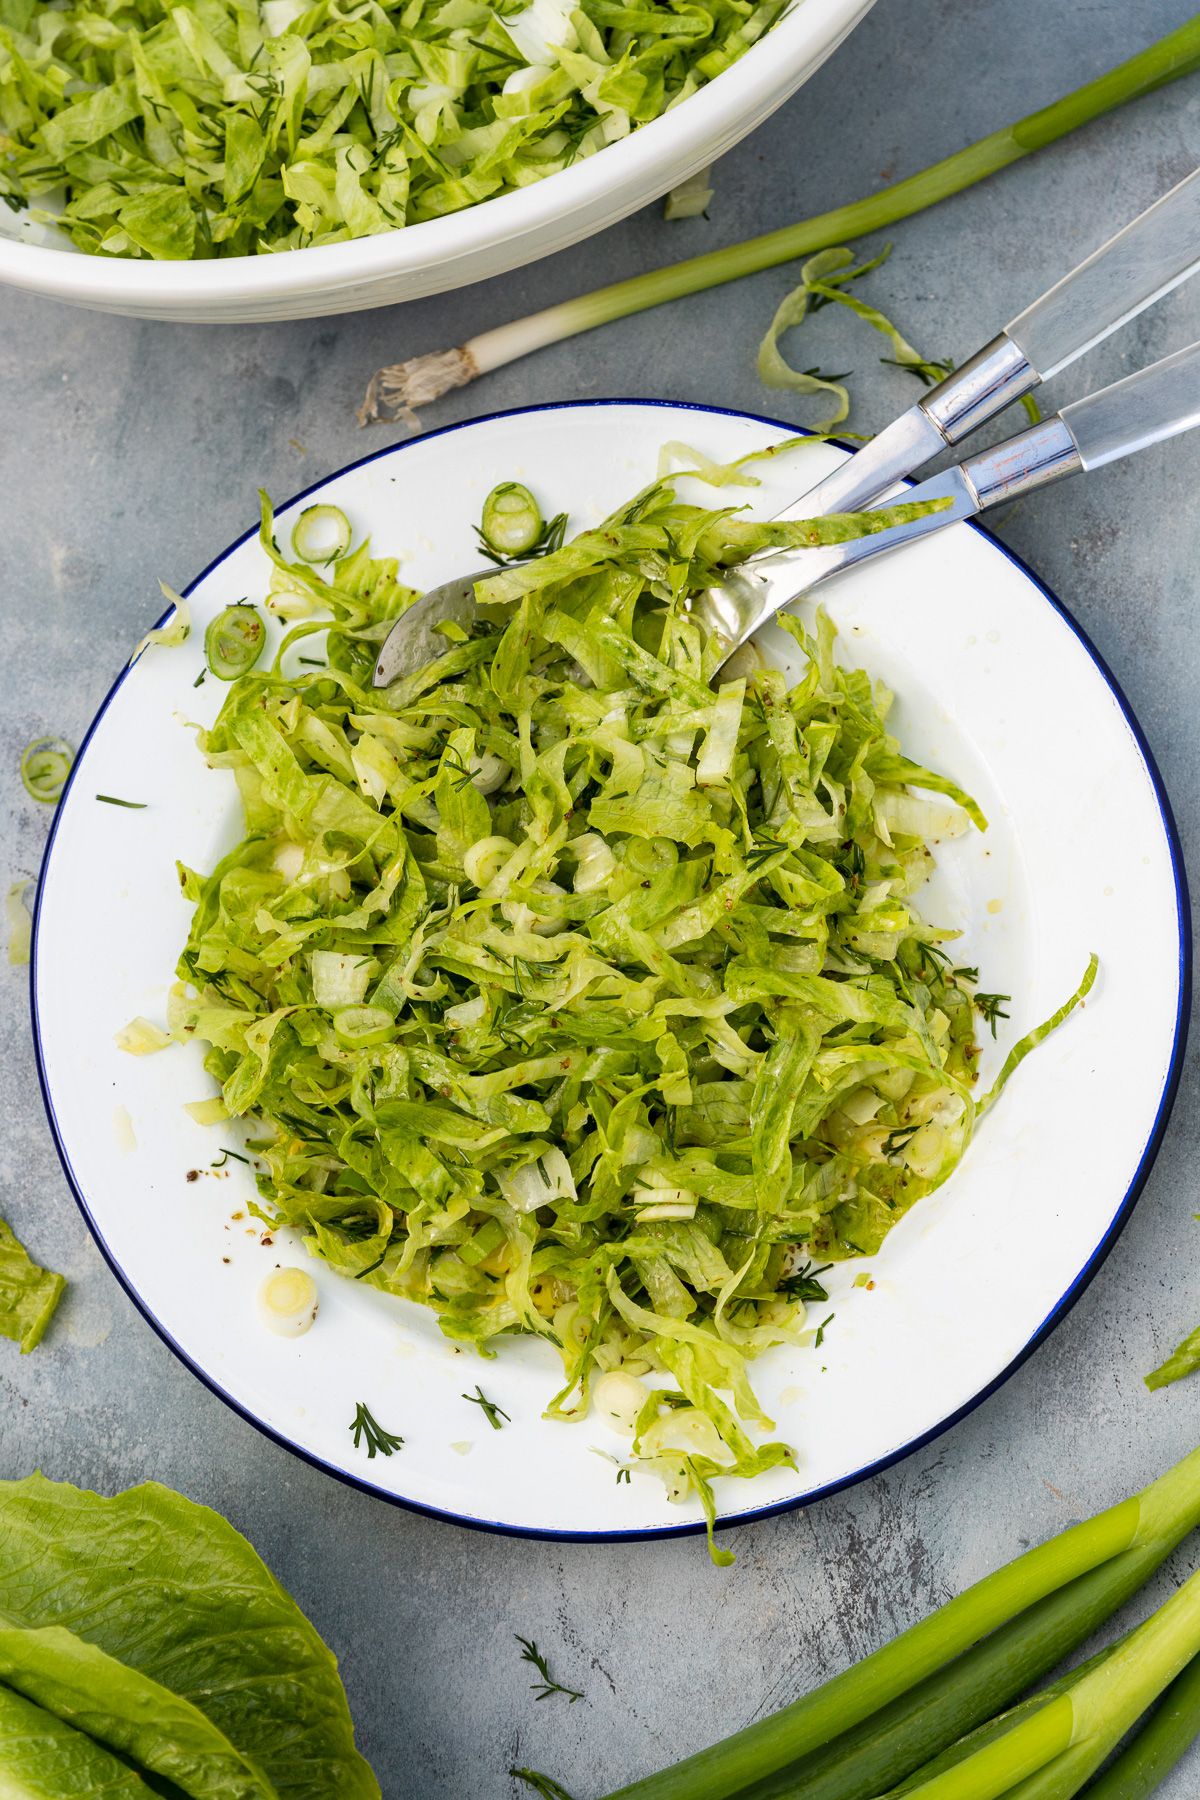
x=463 y=247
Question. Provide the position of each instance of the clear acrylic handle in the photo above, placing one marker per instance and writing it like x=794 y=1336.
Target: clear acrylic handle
x=1153 y=254
x=1157 y=403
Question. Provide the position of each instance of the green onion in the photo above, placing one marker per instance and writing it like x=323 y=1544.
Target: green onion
x=321 y=534
x=1058 y=1746
x=423 y=379
x=45 y=765
x=234 y=642
x=360 y=1027
x=512 y=528
x=113 y=800
x=1158 y=1746
x=512 y=520
x=917 y=1694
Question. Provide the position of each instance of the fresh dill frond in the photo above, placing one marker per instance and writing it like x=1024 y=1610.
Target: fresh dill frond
x=991 y=1008
x=547 y=1685
x=377 y=1439
x=804 y=1283
x=545 y=1785
x=491 y=1412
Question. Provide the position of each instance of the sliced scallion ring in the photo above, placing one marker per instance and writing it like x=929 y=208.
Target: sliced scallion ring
x=321 y=534
x=512 y=519
x=45 y=765
x=234 y=642
x=359 y=1027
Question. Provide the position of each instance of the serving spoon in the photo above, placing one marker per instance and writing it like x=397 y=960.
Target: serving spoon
x=1150 y=256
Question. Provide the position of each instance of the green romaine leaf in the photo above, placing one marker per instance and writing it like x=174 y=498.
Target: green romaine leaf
x=173 y=1592
x=43 y=1758
x=135 y=1716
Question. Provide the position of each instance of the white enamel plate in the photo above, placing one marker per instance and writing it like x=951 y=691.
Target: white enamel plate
x=994 y=685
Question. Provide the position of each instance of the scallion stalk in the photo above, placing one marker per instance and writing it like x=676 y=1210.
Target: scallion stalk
x=917 y=1694
x=1052 y=1752
x=995 y=1728
x=1171 y=1730
x=396 y=390
x=234 y=642
x=952 y=1706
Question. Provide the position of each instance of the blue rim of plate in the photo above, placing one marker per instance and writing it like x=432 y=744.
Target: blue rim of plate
x=1056 y=1314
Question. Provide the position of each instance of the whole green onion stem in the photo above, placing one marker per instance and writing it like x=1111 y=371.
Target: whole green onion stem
x=1172 y=1728
x=960 y=1699
x=1151 y=1522
x=995 y=1728
x=1050 y=1754
x=394 y=391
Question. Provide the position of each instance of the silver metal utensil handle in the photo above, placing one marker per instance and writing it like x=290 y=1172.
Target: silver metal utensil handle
x=1144 y=409
x=1153 y=254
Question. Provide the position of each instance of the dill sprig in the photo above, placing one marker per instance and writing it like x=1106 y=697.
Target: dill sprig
x=804 y=1283
x=378 y=1440
x=990 y=1007
x=549 y=539
x=491 y=1412
x=545 y=1785
x=899 y=1140
x=547 y=1685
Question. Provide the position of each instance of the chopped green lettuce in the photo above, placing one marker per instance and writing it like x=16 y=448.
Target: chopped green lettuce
x=571 y=995
x=20 y=924
x=28 y=1295
x=824 y=279
x=1183 y=1360
x=230 y=128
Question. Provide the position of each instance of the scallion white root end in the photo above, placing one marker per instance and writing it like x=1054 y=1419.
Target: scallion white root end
x=396 y=391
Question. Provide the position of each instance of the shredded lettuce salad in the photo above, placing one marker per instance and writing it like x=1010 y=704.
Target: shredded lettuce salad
x=569 y=995
x=229 y=128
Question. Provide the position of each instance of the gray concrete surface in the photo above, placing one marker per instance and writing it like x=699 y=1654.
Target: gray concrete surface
x=130 y=451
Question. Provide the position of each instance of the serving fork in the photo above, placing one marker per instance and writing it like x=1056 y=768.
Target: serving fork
x=1153 y=254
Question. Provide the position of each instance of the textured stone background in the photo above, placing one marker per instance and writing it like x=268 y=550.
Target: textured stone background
x=129 y=451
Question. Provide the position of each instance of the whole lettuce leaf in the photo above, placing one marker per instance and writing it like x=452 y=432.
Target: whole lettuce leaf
x=172 y=1591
